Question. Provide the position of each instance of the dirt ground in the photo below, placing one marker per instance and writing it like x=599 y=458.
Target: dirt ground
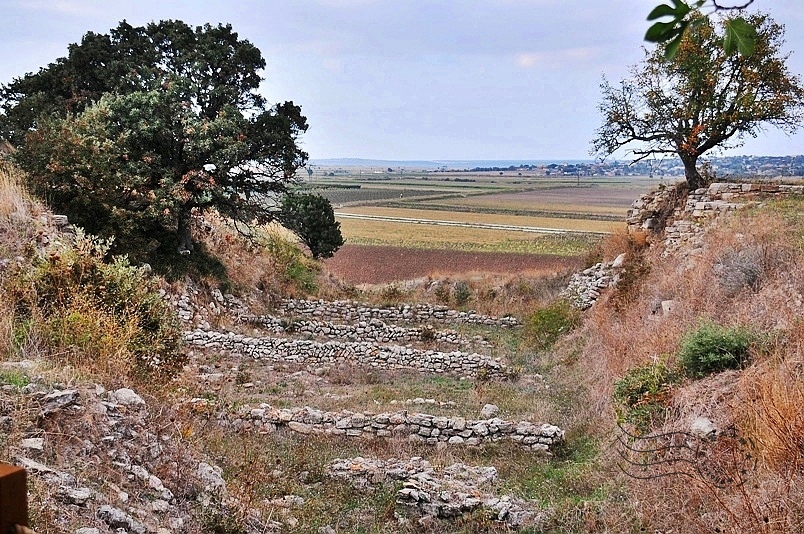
x=366 y=264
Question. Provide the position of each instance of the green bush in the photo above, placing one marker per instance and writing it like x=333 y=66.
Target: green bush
x=293 y=268
x=642 y=393
x=462 y=293
x=544 y=326
x=106 y=315
x=712 y=348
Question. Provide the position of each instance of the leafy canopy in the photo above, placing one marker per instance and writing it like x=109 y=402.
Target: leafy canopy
x=135 y=131
x=312 y=219
x=740 y=36
x=701 y=99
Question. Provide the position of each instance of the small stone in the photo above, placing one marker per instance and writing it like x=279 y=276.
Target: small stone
x=301 y=428
x=57 y=400
x=211 y=477
x=703 y=427
x=36 y=444
x=619 y=261
x=78 y=496
x=489 y=411
x=126 y=397
x=116 y=518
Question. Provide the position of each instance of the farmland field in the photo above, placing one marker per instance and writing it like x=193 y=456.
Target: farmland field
x=584 y=199
x=366 y=264
x=428 y=236
x=571 y=224
x=482 y=214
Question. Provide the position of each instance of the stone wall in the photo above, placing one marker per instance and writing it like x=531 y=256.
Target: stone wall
x=585 y=286
x=702 y=203
x=355 y=312
x=421 y=427
x=372 y=330
x=651 y=212
x=356 y=352
x=439 y=492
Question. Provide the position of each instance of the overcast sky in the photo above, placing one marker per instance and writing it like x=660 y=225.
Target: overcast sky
x=410 y=79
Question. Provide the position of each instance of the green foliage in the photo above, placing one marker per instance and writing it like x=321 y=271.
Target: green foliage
x=740 y=36
x=642 y=393
x=312 y=219
x=462 y=293
x=134 y=132
x=107 y=313
x=14 y=378
x=294 y=269
x=703 y=97
x=544 y=326
x=711 y=348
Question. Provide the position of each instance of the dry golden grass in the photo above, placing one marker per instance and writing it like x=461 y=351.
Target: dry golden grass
x=772 y=413
x=748 y=274
x=14 y=200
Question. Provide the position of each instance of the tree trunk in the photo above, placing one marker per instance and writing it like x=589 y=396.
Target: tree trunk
x=185 y=233
x=694 y=178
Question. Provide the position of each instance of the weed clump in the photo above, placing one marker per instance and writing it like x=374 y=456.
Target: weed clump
x=642 y=394
x=462 y=293
x=544 y=326
x=107 y=316
x=294 y=270
x=711 y=348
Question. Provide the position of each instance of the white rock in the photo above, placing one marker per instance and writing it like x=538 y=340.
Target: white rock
x=126 y=397
x=36 y=444
x=211 y=477
x=703 y=427
x=489 y=411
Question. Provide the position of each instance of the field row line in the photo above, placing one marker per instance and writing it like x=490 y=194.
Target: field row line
x=485 y=226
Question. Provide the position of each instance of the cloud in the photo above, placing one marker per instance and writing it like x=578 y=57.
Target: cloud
x=556 y=58
x=63 y=7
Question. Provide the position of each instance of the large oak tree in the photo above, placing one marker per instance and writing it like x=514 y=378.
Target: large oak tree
x=702 y=98
x=133 y=132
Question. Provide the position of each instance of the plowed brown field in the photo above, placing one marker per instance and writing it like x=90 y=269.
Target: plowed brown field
x=366 y=264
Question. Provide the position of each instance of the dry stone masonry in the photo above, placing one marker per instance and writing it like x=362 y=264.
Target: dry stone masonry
x=650 y=212
x=701 y=204
x=113 y=430
x=355 y=312
x=584 y=287
x=440 y=493
x=421 y=427
x=356 y=352
x=371 y=330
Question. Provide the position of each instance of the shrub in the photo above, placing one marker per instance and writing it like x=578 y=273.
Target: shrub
x=712 y=348
x=296 y=272
x=544 y=326
x=642 y=394
x=741 y=268
x=441 y=292
x=105 y=315
x=462 y=293
x=391 y=294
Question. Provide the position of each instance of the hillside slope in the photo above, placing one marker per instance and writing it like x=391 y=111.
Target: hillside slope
x=674 y=402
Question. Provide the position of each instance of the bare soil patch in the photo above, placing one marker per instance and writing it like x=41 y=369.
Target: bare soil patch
x=369 y=264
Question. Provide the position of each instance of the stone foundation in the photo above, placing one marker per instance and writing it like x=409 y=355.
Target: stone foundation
x=356 y=352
